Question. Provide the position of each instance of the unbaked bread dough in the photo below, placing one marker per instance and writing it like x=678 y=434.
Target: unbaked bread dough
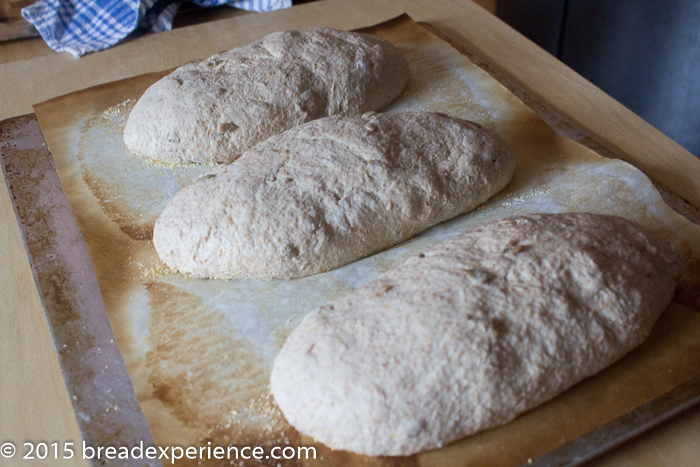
x=211 y=111
x=473 y=332
x=329 y=192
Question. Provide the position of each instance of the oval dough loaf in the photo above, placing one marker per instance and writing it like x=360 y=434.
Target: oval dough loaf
x=329 y=192
x=473 y=332
x=212 y=111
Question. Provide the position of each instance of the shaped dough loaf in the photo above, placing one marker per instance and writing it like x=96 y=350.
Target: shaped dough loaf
x=329 y=192
x=211 y=111
x=473 y=332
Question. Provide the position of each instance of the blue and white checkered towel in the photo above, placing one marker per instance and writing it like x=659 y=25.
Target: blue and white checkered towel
x=81 y=26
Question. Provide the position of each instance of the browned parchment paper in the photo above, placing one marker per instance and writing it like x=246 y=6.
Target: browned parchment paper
x=199 y=352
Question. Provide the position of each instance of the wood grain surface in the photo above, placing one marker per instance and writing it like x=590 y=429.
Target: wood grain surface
x=34 y=404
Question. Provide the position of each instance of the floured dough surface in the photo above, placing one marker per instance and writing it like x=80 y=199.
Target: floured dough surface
x=329 y=192
x=473 y=332
x=212 y=111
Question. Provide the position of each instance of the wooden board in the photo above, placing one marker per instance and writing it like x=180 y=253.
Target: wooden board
x=675 y=445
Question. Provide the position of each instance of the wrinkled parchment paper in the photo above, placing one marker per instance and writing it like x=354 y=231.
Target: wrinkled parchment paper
x=199 y=352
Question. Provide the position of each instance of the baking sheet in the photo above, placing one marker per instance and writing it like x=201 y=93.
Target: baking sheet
x=106 y=407
x=199 y=352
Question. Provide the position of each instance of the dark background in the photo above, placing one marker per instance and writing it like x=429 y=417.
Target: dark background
x=644 y=53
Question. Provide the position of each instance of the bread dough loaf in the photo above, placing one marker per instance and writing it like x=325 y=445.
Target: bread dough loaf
x=211 y=111
x=473 y=332
x=329 y=192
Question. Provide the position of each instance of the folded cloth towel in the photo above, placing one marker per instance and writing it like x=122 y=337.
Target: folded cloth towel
x=81 y=26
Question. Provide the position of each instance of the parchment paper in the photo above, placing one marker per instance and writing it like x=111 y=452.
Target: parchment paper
x=199 y=352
